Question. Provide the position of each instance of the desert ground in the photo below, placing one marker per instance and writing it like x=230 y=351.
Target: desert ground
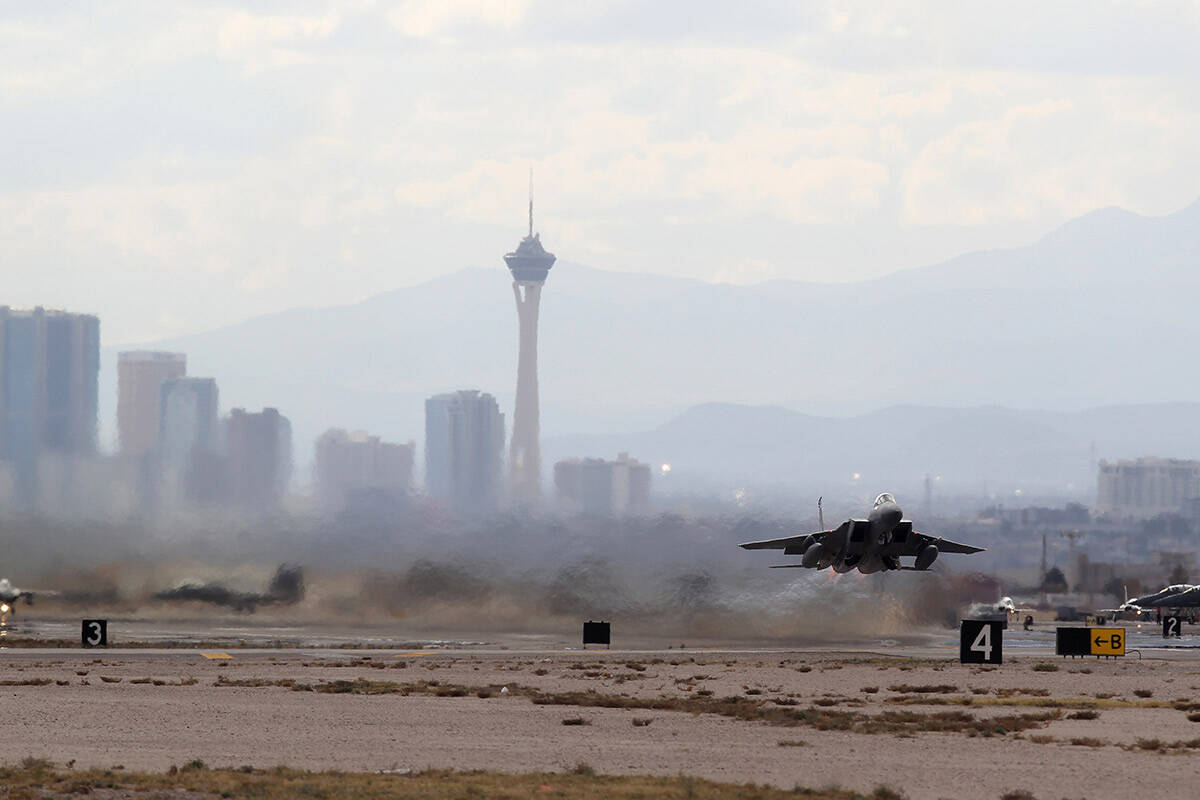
x=910 y=718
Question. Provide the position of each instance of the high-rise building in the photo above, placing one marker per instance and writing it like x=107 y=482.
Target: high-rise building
x=530 y=265
x=597 y=486
x=464 y=446
x=258 y=453
x=140 y=375
x=352 y=466
x=1146 y=487
x=49 y=371
x=189 y=440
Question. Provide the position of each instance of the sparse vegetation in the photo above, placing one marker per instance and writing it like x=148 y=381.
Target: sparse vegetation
x=938 y=688
x=1084 y=715
x=1088 y=741
x=576 y=721
x=38 y=778
x=1045 y=666
x=1143 y=692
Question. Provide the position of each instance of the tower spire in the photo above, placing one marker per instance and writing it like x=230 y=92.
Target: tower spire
x=530 y=201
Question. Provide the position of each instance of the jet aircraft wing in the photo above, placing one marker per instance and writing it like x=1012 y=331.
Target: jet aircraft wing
x=791 y=545
x=907 y=542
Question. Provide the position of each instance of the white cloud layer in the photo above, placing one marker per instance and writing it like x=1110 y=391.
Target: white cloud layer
x=180 y=166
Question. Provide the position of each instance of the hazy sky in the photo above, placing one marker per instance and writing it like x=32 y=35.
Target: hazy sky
x=179 y=166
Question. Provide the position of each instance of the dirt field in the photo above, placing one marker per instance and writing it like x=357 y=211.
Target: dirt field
x=928 y=728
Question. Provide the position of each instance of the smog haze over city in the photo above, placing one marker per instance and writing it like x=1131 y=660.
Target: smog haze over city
x=259 y=328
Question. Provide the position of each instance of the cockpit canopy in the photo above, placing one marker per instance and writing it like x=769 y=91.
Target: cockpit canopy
x=884 y=498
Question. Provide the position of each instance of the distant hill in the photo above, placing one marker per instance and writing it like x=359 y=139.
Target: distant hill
x=1100 y=312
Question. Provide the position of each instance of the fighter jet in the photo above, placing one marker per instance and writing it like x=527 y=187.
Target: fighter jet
x=868 y=545
x=9 y=595
x=1179 y=595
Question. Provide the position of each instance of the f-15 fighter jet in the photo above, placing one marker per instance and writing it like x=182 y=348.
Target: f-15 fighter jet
x=869 y=545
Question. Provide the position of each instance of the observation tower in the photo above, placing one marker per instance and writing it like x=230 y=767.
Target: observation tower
x=529 y=264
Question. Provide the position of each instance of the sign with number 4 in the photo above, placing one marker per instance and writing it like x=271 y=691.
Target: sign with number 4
x=981 y=642
x=95 y=633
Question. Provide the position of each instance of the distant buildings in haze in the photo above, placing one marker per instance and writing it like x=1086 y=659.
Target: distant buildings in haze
x=140 y=375
x=464 y=446
x=597 y=486
x=354 y=468
x=189 y=441
x=49 y=371
x=1147 y=487
x=258 y=453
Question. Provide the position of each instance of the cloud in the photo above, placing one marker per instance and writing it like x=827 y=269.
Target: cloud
x=421 y=19
x=318 y=151
x=1110 y=144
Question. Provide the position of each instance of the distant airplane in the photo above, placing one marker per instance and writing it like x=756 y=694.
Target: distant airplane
x=1179 y=595
x=869 y=545
x=9 y=595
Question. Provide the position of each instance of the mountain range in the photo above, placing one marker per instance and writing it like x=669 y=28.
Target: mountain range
x=1099 y=313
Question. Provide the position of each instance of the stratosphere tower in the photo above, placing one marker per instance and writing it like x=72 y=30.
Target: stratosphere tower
x=530 y=265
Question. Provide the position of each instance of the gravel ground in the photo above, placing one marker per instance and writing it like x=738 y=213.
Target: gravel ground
x=144 y=726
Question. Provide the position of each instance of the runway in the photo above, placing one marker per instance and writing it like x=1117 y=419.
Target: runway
x=901 y=713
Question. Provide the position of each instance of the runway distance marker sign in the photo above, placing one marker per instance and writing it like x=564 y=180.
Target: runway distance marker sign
x=981 y=642
x=1172 y=626
x=95 y=633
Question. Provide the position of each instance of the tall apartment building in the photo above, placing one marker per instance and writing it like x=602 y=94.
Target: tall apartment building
x=464 y=446
x=597 y=486
x=189 y=440
x=354 y=465
x=140 y=376
x=258 y=457
x=49 y=371
x=1145 y=487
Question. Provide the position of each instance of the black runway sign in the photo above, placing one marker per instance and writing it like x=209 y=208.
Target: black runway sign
x=597 y=633
x=95 y=633
x=981 y=642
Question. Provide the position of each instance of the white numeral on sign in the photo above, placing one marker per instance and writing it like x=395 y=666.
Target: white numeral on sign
x=94 y=637
x=983 y=643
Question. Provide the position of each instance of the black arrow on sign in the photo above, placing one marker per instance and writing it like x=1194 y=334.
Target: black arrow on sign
x=1099 y=641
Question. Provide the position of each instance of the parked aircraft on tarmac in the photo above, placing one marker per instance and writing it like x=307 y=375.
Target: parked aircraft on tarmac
x=868 y=545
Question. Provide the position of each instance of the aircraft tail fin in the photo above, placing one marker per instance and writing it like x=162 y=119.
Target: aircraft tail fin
x=820 y=514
